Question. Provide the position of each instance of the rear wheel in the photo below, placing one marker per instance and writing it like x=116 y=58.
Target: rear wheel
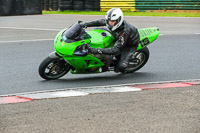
x=53 y=68
x=138 y=60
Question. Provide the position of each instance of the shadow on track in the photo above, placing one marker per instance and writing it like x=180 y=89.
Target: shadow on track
x=103 y=79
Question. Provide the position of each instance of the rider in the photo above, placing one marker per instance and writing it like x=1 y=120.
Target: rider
x=126 y=35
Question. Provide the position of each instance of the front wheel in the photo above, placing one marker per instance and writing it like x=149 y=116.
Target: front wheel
x=53 y=68
x=138 y=60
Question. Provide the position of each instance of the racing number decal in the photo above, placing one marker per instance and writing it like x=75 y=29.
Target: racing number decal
x=144 y=42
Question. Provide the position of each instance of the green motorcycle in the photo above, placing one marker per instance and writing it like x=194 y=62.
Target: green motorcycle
x=72 y=55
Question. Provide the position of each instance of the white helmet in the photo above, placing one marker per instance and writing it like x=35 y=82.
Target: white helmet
x=114 y=14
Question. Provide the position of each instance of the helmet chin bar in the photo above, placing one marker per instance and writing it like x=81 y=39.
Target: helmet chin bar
x=109 y=27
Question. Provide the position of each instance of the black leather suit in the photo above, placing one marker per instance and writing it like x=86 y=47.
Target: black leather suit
x=127 y=39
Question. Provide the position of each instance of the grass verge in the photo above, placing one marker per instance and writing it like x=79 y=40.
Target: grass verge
x=161 y=13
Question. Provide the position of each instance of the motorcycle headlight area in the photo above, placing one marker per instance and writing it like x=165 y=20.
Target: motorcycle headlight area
x=81 y=50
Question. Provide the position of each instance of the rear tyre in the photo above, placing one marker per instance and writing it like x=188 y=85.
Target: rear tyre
x=138 y=60
x=51 y=69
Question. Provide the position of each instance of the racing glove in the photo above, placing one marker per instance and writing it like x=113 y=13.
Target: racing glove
x=93 y=50
x=83 y=25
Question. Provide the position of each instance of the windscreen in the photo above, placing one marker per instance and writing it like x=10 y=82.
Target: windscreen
x=75 y=33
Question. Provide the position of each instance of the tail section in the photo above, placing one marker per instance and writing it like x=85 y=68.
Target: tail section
x=147 y=36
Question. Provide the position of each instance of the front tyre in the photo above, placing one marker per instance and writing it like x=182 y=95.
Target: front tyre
x=53 y=68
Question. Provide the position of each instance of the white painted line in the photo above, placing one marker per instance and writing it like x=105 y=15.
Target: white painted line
x=22 y=28
x=108 y=89
x=34 y=40
x=79 y=92
x=58 y=94
x=125 y=89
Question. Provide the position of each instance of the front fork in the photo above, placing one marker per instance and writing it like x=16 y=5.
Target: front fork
x=54 y=55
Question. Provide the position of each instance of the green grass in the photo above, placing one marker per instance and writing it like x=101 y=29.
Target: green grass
x=162 y=14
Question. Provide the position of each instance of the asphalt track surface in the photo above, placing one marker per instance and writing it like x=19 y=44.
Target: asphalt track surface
x=174 y=56
x=26 y=40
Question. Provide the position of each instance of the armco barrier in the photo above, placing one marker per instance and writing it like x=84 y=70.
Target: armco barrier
x=80 y=5
x=167 y=4
x=142 y=5
x=125 y=5
x=65 y=5
x=20 y=7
